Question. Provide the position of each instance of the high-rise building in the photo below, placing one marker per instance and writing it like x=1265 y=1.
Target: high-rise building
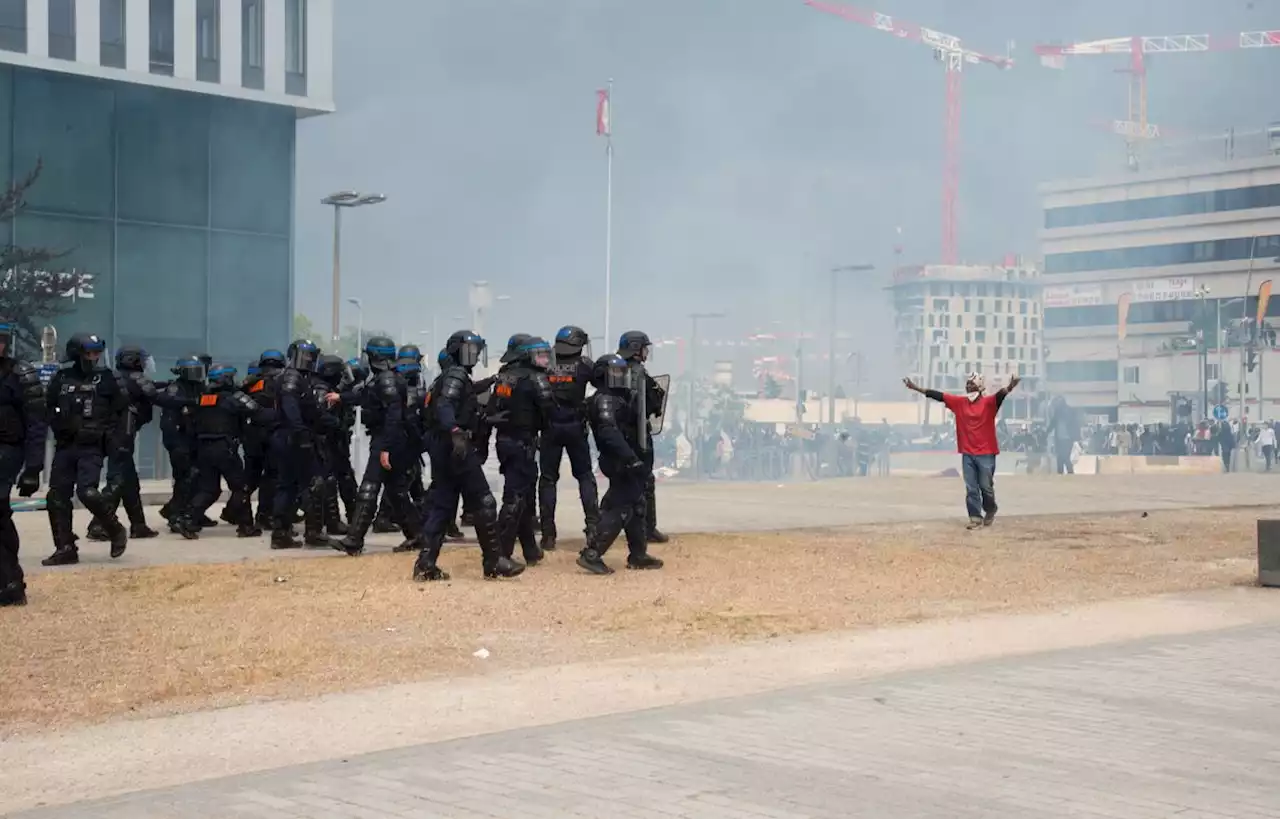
x=166 y=130
x=951 y=320
x=1187 y=249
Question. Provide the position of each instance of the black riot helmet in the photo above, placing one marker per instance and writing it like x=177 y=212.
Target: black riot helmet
x=254 y=368
x=303 y=354
x=271 y=360
x=514 y=345
x=85 y=351
x=332 y=369
x=8 y=338
x=634 y=345
x=572 y=341
x=191 y=369
x=409 y=363
x=442 y=359
x=222 y=377
x=131 y=358
x=612 y=373
x=538 y=352
x=465 y=348
x=381 y=352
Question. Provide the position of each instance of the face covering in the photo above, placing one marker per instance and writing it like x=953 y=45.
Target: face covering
x=973 y=387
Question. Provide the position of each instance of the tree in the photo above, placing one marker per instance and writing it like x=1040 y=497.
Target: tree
x=302 y=327
x=34 y=288
x=772 y=389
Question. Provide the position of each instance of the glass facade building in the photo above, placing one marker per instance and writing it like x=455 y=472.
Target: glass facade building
x=178 y=205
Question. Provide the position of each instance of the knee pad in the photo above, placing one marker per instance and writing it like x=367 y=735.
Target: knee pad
x=487 y=508
x=90 y=495
x=368 y=491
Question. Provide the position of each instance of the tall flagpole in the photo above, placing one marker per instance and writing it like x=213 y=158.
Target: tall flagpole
x=604 y=127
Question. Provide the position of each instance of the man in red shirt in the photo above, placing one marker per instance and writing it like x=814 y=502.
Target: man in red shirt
x=975 y=413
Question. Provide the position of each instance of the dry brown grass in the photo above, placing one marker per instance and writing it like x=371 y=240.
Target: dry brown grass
x=97 y=644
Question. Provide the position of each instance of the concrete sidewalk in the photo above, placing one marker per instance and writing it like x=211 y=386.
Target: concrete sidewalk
x=1180 y=725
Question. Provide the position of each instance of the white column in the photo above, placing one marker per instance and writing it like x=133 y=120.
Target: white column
x=38 y=28
x=231 y=54
x=273 y=46
x=184 y=39
x=137 y=36
x=89 y=31
x=319 y=49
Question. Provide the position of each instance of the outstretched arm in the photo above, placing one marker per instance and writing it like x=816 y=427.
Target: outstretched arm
x=934 y=394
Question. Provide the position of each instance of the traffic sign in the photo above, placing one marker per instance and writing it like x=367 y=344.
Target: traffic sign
x=1220 y=412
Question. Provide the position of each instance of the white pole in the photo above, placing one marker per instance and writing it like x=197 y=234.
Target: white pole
x=608 y=217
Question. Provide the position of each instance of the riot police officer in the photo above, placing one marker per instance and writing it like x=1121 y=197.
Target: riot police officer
x=452 y=530
x=261 y=474
x=178 y=437
x=217 y=424
x=88 y=413
x=322 y=503
x=569 y=375
x=383 y=408
x=616 y=422
x=22 y=436
x=122 y=483
x=293 y=439
x=519 y=408
x=634 y=347
x=451 y=414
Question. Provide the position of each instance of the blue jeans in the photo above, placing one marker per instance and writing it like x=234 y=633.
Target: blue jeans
x=979 y=484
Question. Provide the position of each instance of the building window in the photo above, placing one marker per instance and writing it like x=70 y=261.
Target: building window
x=13 y=25
x=251 y=24
x=982 y=305
x=941 y=305
x=980 y=320
x=1158 y=207
x=978 y=369
x=1022 y=307
x=295 y=47
x=995 y=352
x=964 y=352
x=1131 y=375
x=1210 y=371
x=111 y=33
x=62 y=29
x=1218 y=250
x=980 y=336
x=162 y=37
x=999 y=306
x=208 y=41
x=968 y=336
x=1008 y=322
x=1011 y=338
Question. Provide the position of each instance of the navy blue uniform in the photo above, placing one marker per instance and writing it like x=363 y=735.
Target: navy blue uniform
x=122 y=484
x=261 y=474
x=89 y=416
x=615 y=424
x=22 y=437
x=567 y=434
x=293 y=446
x=519 y=408
x=217 y=423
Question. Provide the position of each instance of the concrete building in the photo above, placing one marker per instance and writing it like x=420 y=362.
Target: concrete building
x=166 y=130
x=1189 y=246
x=951 y=320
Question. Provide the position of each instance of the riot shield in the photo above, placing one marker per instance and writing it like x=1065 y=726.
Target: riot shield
x=657 y=422
x=642 y=408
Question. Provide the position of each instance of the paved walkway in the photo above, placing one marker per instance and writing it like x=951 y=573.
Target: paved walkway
x=1166 y=727
x=737 y=507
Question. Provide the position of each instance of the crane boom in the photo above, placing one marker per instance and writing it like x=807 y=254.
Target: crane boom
x=948 y=50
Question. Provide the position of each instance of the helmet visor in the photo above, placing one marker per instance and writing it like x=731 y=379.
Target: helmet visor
x=472 y=352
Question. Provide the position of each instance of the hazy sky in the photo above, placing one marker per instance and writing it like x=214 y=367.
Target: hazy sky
x=757 y=143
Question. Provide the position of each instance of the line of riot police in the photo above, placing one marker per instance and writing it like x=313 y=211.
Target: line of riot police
x=284 y=434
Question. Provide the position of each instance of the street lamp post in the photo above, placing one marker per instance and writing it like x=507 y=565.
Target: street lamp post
x=1202 y=293
x=693 y=375
x=831 y=340
x=340 y=200
x=359 y=305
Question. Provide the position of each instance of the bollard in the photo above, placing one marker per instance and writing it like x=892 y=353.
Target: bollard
x=1269 y=553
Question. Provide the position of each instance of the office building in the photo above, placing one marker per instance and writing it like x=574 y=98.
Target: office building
x=1187 y=248
x=951 y=320
x=166 y=130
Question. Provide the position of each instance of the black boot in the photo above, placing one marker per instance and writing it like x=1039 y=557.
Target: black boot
x=119 y=538
x=332 y=514
x=591 y=557
x=283 y=538
x=643 y=561
x=207 y=522
x=96 y=533
x=141 y=531
x=313 y=516
x=424 y=568
x=495 y=563
x=14 y=594
x=651 y=513
x=452 y=532
x=593 y=561
x=64 y=537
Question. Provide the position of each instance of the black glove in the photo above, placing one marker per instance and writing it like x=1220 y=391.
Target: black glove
x=461 y=443
x=28 y=482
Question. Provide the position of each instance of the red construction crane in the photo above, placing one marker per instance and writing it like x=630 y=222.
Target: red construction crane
x=948 y=51
x=1137 y=128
